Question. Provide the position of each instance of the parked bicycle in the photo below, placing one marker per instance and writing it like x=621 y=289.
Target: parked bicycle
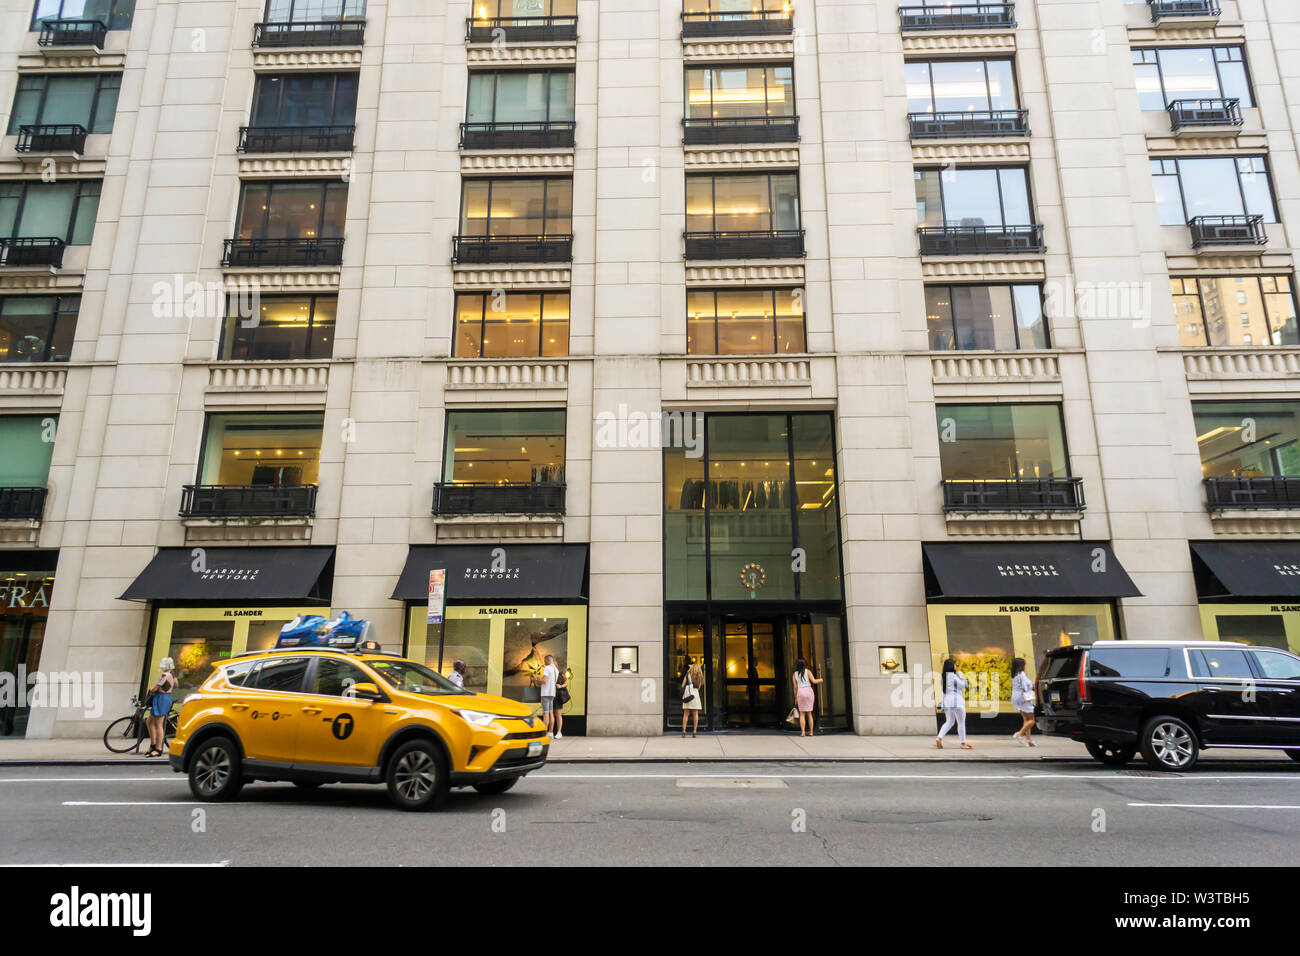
x=125 y=734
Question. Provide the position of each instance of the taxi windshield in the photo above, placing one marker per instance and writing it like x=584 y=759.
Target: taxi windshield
x=415 y=678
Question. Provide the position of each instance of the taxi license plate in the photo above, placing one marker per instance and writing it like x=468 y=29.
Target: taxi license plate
x=534 y=749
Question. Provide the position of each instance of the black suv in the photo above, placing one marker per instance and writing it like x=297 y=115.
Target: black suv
x=1170 y=699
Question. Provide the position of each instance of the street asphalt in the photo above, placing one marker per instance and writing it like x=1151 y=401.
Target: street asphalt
x=676 y=814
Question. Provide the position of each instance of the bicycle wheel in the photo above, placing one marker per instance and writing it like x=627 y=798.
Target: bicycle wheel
x=169 y=728
x=125 y=734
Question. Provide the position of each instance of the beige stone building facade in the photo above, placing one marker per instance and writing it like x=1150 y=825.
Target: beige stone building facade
x=277 y=277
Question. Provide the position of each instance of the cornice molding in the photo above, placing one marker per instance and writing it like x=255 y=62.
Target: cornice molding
x=541 y=161
x=746 y=274
x=306 y=58
x=967 y=151
x=510 y=277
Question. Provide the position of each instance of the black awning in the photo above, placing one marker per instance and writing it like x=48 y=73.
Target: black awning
x=1247 y=569
x=543 y=572
x=1038 y=570
x=234 y=575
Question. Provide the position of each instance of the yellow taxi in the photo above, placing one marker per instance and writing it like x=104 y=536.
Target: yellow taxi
x=314 y=716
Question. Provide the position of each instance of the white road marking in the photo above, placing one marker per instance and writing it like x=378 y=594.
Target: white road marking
x=1219 y=806
x=131 y=803
x=87 y=779
x=738 y=783
x=546 y=775
x=91 y=865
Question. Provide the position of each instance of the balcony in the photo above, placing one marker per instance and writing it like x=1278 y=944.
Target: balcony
x=248 y=501
x=980 y=240
x=760 y=244
x=1212 y=231
x=1198 y=114
x=22 y=504
x=1257 y=493
x=489 y=498
x=1013 y=494
x=1198 y=9
x=975 y=16
x=972 y=123
x=522 y=29
x=740 y=129
x=32 y=252
x=740 y=24
x=255 y=253
x=73 y=33
x=550 y=135
x=61 y=138
x=296 y=139
x=310 y=33
x=475 y=249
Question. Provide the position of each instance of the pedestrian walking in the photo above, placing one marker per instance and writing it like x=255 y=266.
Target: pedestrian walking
x=804 y=696
x=1022 y=699
x=550 y=676
x=953 y=703
x=160 y=705
x=692 y=695
x=457 y=675
x=561 y=697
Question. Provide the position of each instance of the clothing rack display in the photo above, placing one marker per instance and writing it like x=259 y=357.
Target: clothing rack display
x=735 y=495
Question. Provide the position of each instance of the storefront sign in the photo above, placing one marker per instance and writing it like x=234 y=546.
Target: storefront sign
x=437 y=594
x=1028 y=571
x=28 y=595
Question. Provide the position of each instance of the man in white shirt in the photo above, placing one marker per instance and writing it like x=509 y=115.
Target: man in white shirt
x=550 y=674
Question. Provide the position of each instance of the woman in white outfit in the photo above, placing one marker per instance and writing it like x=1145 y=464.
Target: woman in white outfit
x=954 y=704
x=1022 y=699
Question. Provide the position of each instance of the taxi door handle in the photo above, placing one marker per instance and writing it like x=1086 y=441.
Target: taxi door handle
x=239 y=706
x=311 y=710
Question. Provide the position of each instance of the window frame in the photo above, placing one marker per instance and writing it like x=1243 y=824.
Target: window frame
x=771 y=199
x=56 y=315
x=1060 y=414
x=208 y=418
x=335 y=76
x=767 y=99
x=115 y=15
x=491 y=184
x=230 y=318
x=447 y=466
x=496 y=86
x=1015 y=318
x=988 y=92
x=773 y=291
x=1155 y=52
x=342 y=17
x=25 y=190
x=270 y=186
x=45 y=81
x=1002 y=206
x=1178 y=161
x=1258 y=279
x=482 y=324
x=1254 y=404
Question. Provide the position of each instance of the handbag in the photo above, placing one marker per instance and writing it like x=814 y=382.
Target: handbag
x=793 y=716
x=688 y=692
x=562 y=696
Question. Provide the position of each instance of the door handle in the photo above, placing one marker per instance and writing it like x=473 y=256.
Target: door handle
x=311 y=710
x=239 y=706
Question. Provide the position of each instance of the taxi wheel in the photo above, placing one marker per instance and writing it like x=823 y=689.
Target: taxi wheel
x=496 y=786
x=417 y=776
x=215 y=772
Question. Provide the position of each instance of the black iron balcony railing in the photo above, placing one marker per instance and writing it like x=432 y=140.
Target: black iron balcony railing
x=739 y=24
x=556 y=134
x=22 y=503
x=490 y=498
x=759 y=244
x=1196 y=113
x=512 y=249
x=1253 y=492
x=73 y=33
x=55 y=138
x=32 y=252
x=1227 y=231
x=1183 y=8
x=250 y=253
x=296 y=139
x=521 y=29
x=980 y=240
x=1014 y=494
x=974 y=16
x=711 y=131
x=248 y=501
x=310 y=33
x=970 y=123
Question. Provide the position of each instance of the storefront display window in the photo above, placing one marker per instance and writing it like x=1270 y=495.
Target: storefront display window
x=24 y=608
x=510 y=447
x=1262 y=625
x=1248 y=439
x=1001 y=442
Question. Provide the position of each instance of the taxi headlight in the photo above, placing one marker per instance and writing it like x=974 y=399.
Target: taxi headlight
x=480 y=718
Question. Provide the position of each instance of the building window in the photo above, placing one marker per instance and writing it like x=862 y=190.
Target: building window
x=515 y=96
x=500 y=208
x=262 y=449
x=88 y=100
x=287 y=327
x=1265 y=307
x=305 y=99
x=1001 y=442
x=742 y=202
x=1216 y=186
x=115 y=14
x=733 y=92
x=1248 y=439
x=505 y=447
x=26 y=449
x=1167 y=74
x=299 y=11
x=744 y=321
x=60 y=210
x=960 y=86
x=512 y=324
x=292 y=210
x=524 y=9
x=973 y=197
x=998 y=317
x=37 y=328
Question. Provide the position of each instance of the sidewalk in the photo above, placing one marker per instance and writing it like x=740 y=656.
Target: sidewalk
x=671 y=747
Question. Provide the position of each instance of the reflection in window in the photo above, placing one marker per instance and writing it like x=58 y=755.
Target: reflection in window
x=292 y=210
x=1217 y=186
x=516 y=96
x=88 y=100
x=524 y=9
x=1001 y=442
x=498 y=208
x=1235 y=310
x=1248 y=439
x=512 y=324
x=722 y=92
x=37 y=328
x=951 y=86
x=305 y=99
x=998 y=317
x=1167 y=74
x=744 y=321
x=1059 y=630
x=733 y=203
x=973 y=197
x=256 y=449
x=1262 y=630
x=197 y=647
x=114 y=14
x=287 y=327
x=740 y=9
x=982 y=647
x=300 y=11
x=63 y=210
x=508 y=447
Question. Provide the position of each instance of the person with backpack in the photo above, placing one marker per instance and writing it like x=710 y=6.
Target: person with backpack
x=805 y=698
x=953 y=703
x=692 y=687
x=1022 y=699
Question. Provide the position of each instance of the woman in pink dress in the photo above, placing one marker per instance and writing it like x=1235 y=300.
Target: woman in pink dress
x=804 y=696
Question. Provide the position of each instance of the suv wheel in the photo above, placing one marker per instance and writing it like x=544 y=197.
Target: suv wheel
x=214 y=770
x=1113 y=755
x=1168 y=743
x=417 y=776
x=496 y=786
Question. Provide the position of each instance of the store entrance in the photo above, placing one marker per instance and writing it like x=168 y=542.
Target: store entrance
x=752 y=671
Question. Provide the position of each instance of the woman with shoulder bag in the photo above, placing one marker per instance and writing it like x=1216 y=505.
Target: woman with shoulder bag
x=562 y=697
x=692 y=696
x=1022 y=699
x=954 y=704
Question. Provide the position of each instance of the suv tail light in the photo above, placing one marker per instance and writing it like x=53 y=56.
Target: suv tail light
x=1083 y=678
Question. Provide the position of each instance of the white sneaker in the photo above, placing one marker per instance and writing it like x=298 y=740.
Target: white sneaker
x=558 y=736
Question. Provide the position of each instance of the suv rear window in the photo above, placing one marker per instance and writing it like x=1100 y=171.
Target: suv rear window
x=284 y=674
x=1129 y=662
x=1061 y=666
x=1228 y=662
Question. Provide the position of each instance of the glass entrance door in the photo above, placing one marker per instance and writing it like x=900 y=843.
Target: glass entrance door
x=752 y=671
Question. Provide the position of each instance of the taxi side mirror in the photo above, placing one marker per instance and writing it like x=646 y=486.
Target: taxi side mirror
x=366 y=691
